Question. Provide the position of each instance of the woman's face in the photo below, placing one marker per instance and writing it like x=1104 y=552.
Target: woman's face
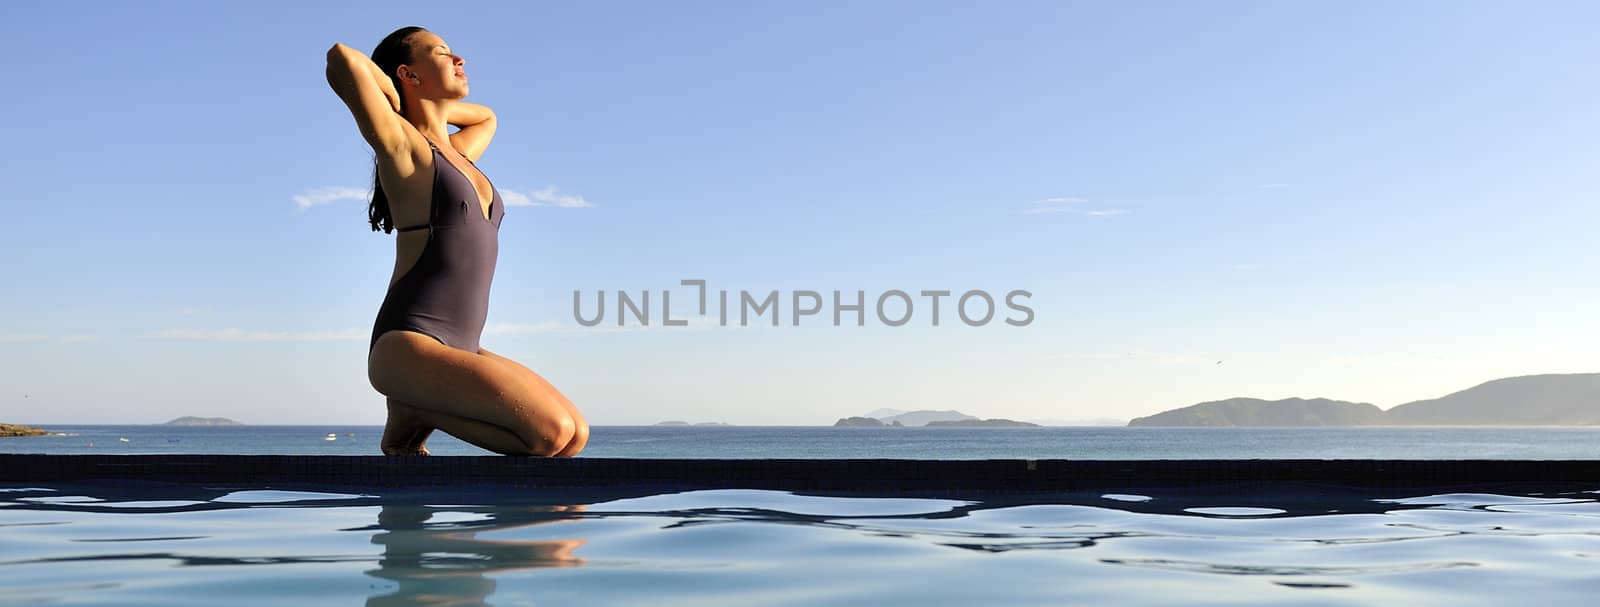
x=434 y=71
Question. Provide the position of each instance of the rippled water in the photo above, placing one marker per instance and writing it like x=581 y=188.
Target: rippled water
x=154 y=544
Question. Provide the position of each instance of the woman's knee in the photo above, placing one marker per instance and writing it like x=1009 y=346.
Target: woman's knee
x=550 y=434
x=580 y=437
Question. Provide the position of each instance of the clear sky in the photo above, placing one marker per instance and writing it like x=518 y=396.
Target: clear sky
x=1369 y=201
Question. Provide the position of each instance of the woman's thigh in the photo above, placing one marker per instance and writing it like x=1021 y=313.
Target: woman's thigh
x=535 y=378
x=580 y=425
x=418 y=370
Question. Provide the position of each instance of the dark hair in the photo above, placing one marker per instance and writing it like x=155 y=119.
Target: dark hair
x=392 y=52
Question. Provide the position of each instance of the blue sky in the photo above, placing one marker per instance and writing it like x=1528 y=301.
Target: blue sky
x=1377 y=202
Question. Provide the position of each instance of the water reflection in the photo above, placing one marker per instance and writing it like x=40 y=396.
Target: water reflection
x=446 y=564
x=644 y=545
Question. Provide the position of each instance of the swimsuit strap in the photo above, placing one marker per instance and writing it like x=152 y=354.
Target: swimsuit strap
x=429 y=224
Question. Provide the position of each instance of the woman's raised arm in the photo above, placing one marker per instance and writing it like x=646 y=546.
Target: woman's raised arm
x=371 y=98
x=477 y=124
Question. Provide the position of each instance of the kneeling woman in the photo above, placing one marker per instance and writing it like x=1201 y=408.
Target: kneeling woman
x=424 y=354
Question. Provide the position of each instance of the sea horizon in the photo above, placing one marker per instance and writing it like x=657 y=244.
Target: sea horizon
x=829 y=442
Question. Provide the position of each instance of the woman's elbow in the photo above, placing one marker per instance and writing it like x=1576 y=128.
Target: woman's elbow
x=339 y=54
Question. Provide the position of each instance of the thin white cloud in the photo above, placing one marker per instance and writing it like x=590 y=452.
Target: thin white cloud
x=1083 y=212
x=235 y=334
x=1061 y=200
x=609 y=325
x=1387 y=359
x=316 y=196
x=516 y=199
x=545 y=198
x=1173 y=358
x=1068 y=204
x=510 y=328
x=22 y=338
x=1143 y=356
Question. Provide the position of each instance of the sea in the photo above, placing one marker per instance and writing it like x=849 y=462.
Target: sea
x=131 y=544
x=757 y=442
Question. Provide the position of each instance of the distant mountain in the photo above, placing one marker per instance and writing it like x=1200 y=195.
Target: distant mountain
x=1534 y=400
x=1571 y=399
x=986 y=423
x=922 y=417
x=859 y=422
x=202 y=421
x=1257 y=412
x=1093 y=421
x=882 y=413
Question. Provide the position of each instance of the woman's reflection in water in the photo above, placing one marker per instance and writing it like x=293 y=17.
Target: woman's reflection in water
x=445 y=564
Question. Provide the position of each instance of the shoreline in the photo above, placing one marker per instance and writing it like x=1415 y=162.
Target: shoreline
x=10 y=430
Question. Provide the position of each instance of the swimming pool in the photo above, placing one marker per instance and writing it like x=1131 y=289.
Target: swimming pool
x=180 y=532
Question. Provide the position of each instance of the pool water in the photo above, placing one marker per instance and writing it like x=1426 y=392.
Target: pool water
x=140 y=543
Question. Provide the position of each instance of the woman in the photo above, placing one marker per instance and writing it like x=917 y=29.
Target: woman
x=424 y=354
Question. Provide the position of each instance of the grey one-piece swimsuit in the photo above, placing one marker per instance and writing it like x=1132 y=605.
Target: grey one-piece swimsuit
x=445 y=295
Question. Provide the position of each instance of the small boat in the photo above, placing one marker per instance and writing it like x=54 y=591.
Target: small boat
x=123 y=439
x=350 y=434
x=331 y=436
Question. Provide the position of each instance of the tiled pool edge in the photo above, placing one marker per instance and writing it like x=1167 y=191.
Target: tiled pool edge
x=840 y=475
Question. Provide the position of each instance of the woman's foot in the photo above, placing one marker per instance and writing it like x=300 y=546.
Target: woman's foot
x=405 y=432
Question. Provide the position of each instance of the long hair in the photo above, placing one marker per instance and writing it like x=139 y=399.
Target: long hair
x=392 y=52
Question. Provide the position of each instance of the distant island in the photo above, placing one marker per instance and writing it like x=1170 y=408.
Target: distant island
x=894 y=418
x=20 y=430
x=1257 y=412
x=683 y=423
x=984 y=423
x=863 y=422
x=1568 y=399
x=202 y=421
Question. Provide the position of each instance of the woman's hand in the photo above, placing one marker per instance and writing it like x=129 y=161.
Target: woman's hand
x=387 y=86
